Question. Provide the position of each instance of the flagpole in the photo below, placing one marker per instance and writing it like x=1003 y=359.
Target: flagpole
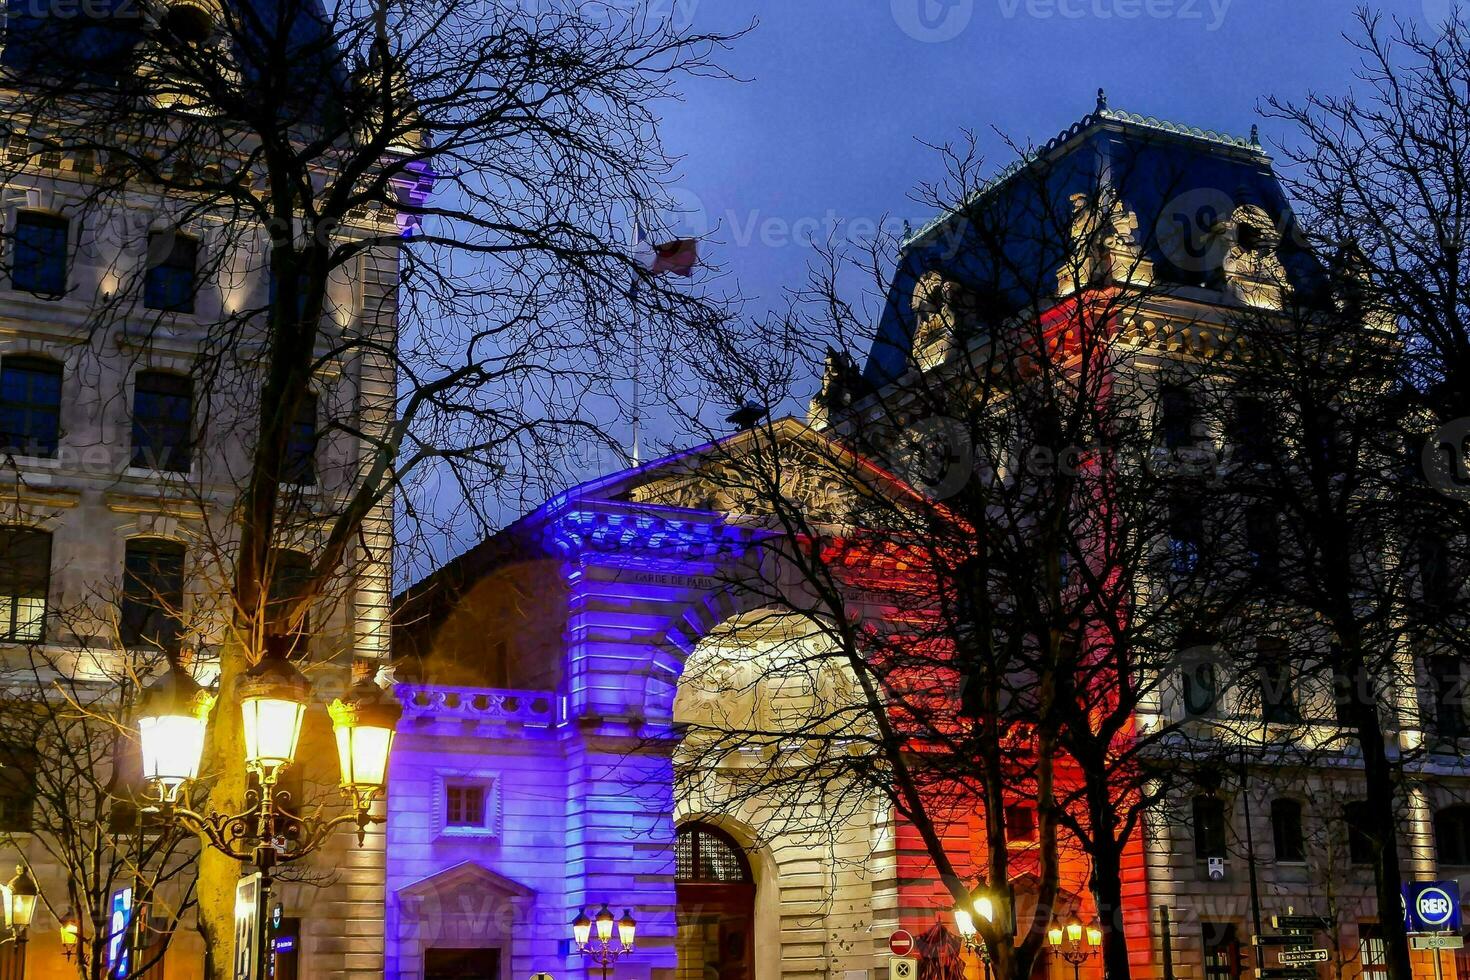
x=637 y=359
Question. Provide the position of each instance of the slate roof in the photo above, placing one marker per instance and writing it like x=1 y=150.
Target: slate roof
x=1008 y=240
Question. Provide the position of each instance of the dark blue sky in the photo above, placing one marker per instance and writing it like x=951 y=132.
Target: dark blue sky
x=841 y=92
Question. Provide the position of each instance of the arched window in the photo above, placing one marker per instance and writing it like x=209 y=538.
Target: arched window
x=1452 y=835
x=704 y=854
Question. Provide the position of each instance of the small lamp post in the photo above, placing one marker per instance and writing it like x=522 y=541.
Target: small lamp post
x=964 y=920
x=19 y=897
x=273 y=697
x=71 y=933
x=1074 y=950
x=603 y=951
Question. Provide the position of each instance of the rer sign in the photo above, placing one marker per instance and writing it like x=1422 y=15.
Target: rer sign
x=1432 y=906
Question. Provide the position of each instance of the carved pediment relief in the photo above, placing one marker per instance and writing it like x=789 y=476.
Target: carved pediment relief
x=1253 y=271
x=751 y=483
x=944 y=312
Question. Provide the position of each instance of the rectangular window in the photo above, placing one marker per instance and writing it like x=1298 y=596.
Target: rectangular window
x=1222 y=951
x=17 y=787
x=1277 y=682
x=153 y=594
x=1372 y=953
x=1209 y=827
x=1021 y=823
x=163 y=408
x=25 y=581
x=464 y=805
x=1250 y=431
x=1349 y=690
x=1186 y=535
x=1286 y=831
x=1262 y=540
x=290 y=573
x=1436 y=583
x=1448 y=682
x=38 y=264
x=30 y=406
x=1359 y=840
x=299 y=466
x=1201 y=686
x=1177 y=417
x=169 y=284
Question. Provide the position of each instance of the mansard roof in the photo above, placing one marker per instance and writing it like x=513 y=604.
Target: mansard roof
x=1007 y=241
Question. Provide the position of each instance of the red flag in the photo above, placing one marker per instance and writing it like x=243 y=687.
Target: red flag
x=677 y=258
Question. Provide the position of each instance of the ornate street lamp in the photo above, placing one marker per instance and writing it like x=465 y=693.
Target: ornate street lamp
x=71 y=933
x=603 y=951
x=964 y=920
x=1074 y=950
x=19 y=897
x=273 y=697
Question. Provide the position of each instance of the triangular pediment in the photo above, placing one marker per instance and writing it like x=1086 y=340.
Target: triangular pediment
x=467 y=874
x=738 y=474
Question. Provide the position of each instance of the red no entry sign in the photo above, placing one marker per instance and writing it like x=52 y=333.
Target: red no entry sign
x=901 y=943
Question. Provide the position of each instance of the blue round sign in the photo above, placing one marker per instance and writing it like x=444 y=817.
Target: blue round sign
x=1434 y=907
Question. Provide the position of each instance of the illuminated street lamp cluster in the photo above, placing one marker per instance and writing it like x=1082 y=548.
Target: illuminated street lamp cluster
x=964 y=920
x=273 y=697
x=1068 y=942
x=602 y=951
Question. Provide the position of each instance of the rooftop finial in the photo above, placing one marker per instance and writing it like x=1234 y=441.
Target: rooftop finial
x=1255 y=135
x=1102 y=101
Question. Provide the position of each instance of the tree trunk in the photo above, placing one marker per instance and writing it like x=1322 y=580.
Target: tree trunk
x=1387 y=874
x=225 y=759
x=1107 y=891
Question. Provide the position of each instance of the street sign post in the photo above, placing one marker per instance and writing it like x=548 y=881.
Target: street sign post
x=1301 y=957
x=903 y=968
x=901 y=943
x=1288 y=973
x=1432 y=906
x=1301 y=923
x=1289 y=939
x=1437 y=942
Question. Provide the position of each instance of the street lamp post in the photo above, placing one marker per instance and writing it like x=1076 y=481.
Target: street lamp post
x=1074 y=950
x=19 y=897
x=273 y=697
x=964 y=920
x=602 y=950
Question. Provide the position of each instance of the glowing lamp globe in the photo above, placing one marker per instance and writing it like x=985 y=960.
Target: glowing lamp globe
x=964 y=922
x=172 y=717
x=1054 y=935
x=604 y=924
x=273 y=699
x=581 y=928
x=985 y=908
x=1094 y=936
x=71 y=932
x=364 y=723
x=1074 y=931
x=627 y=929
x=23 y=895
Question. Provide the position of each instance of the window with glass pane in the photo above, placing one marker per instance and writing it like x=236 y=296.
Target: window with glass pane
x=38 y=261
x=1447 y=678
x=1360 y=842
x=169 y=283
x=1263 y=540
x=153 y=594
x=1349 y=689
x=1222 y=951
x=464 y=805
x=1177 y=416
x=1250 y=431
x=1278 y=684
x=30 y=406
x=1452 y=835
x=1186 y=535
x=1209 y=827
x=289 y=573
x=299 y=466
x=25 y=580
x=1372 y=953
x=1286 y=830
x=163 y=407
x=17 y=787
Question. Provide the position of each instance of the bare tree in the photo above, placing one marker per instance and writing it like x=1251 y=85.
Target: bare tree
x=391 y=274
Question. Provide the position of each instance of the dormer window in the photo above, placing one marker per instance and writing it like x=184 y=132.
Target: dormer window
x=187 y=23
